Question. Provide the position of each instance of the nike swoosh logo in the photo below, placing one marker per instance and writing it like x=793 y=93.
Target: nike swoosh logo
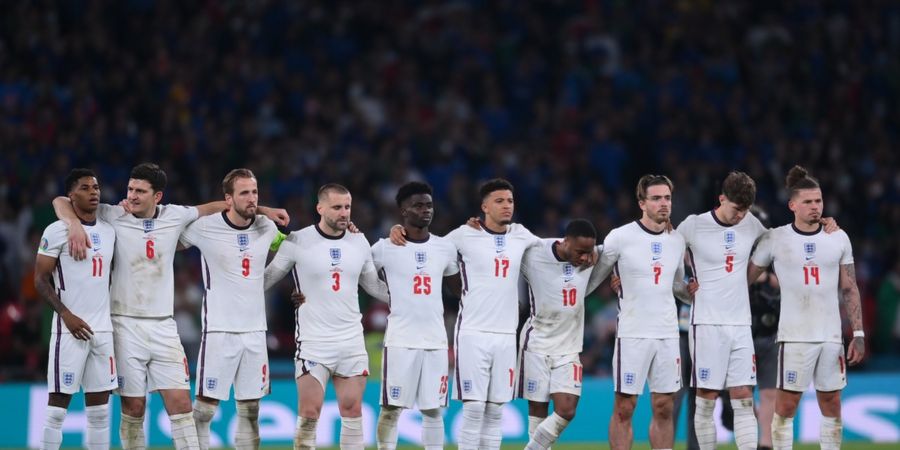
x=334 y=264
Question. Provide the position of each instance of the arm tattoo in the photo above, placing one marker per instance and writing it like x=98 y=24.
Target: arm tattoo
x=850 y=297
x=47 y=292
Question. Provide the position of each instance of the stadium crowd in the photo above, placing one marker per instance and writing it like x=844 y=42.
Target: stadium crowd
x=571 y=101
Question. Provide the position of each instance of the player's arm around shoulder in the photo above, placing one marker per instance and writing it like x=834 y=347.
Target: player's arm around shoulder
x=281 y=262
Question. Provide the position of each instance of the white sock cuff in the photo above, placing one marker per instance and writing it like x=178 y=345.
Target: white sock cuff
x=831 y=420
x=493 y=410
x=559 y=420
x=431 y=415
x=97 y=414
x=247 y=409
x=705 y=406
x=351 y=423
x=742 y=404
x=56 y=416
x=180 y=418
x=132 y=420
x=203 y=411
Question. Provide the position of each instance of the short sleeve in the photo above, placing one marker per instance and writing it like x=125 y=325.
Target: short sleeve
x=455 y=237
x=686 y=228
x=378 y=254
x=763 y=255
x=846 y=249
x=192 y=234
x=54 y=241
x=109 y=213
x=188 y=214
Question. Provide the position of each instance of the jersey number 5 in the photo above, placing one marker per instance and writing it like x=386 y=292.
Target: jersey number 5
x=422 y=284
x=729 y=263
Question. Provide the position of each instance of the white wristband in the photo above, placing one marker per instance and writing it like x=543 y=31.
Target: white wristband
x=859 y=333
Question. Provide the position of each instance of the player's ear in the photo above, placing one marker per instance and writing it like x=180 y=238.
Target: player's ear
x=158 y=195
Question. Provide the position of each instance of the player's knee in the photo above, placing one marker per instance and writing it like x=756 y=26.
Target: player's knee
x=623 y=411
x=134 y=406
x=248 y=409
x=662 y=409
x=565 y=411
x=741 y=392
x=350 y=407
x=178 y=402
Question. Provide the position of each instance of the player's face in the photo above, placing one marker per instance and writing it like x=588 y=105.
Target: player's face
x=86 y=194
x=418 y=210
x=807 y=205
x=245 y=197
x=731 y=212
x=335 y=210
x=579 y=249
x=142 y=197
x=658 y=204
x=498 y=206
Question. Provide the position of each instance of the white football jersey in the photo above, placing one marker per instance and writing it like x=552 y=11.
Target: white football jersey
x=143 y=281
x=718 y=254
x=647 y=264
x=328 y=270
x=233 y=266
x=83 y=286
x=808 y=267
x=489 y=265
x=414 y=274
x=556 y=296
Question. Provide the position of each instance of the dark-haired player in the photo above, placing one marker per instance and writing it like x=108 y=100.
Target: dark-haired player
x=414 y=366
x=817 y=279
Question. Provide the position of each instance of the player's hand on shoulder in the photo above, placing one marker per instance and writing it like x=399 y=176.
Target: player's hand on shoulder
x=831 y=225
x=474 y=222
x=278 y=215
x=297 y=298
x=125 y=205
x=398 y=235
x=79 y=328
x=79 y=242
x=353 y=228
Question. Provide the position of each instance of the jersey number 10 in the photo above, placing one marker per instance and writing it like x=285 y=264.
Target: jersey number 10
x=569 y=296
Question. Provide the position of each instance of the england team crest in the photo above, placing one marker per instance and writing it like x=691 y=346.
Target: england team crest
x=68 y=378
x=730 y=238
x=467 y=386
x=629 y=378
x=500 y=242
x=243 y=241
x=532 y=386
x=149 y=224
x=95 y=240
x=791 y=376
x=656 y=248
x=211 y=383
x=395 y=392
x=335 y=254
x=809 y=248
x=704 y=374
x=568 y=270
x=421 y=258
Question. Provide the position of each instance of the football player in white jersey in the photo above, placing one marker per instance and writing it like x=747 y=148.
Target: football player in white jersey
x=328 y=264
x=414 y=365
x=234 y=246
x=81 y=353
x=489 y=261
x=149 y=353
x=817 y=278
x=648 y=259
x=719 y=244
x=552 y=337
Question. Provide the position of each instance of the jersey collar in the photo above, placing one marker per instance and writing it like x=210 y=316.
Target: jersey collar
x=228 y=222
x=328 y=236
x=806 y=233
x=655 y=233
x=555 y=253
x=716 y=218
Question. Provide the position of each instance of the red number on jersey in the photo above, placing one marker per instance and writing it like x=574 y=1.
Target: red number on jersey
x=578 y=372
x=97 y=266
x=569 y=296
x=336 y=276
x=245 y=264
x=729 y=263
x=150 y=252
x=512 y=374
x=657 y=271
x=443 y=389
x=810 y=272
x=501 y=267
x=422 y=284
